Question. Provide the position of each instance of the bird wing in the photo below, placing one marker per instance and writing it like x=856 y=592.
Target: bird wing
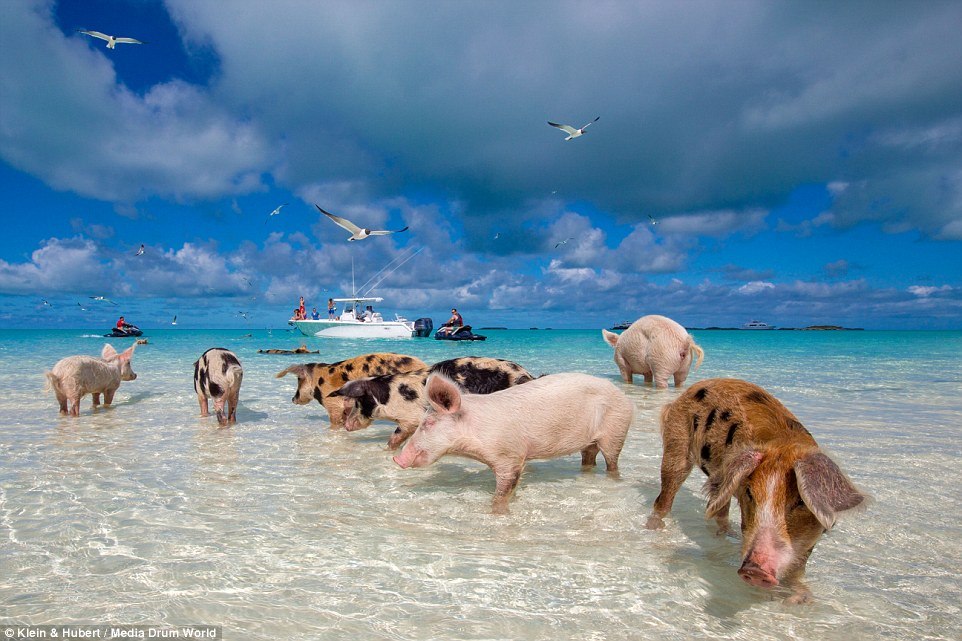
x=95 y=34
x=131 y=41
x=586 y=126
x=382 y=232
x=343 y=222
x=568 y=129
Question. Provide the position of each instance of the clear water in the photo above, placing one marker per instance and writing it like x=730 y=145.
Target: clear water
x=278 y=528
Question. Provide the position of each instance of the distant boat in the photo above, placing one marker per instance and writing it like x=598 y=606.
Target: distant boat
x=622 y=325
x=754 y=324
x=354 y=322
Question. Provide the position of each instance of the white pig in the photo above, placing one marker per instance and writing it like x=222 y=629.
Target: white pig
x=655 y=347
x=545 y=418
x=74 y=377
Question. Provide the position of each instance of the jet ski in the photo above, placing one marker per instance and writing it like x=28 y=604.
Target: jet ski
x=127 y=332
x=462 y=333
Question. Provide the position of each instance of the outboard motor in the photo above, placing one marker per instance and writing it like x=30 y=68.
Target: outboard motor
x=423 y=327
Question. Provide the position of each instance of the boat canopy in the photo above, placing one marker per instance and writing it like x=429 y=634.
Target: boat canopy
x=377 y=299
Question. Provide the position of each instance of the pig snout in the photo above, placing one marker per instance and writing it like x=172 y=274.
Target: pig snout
x=411 y=457
x=756 y=575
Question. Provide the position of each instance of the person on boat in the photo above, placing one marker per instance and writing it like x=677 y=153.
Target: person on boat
x=122 y=325
x=302 y=310
x=296 y=316
x=453 y=324
x=315 y=315
x=331 y=309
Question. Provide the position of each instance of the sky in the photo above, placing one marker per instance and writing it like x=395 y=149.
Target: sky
x=798 y=163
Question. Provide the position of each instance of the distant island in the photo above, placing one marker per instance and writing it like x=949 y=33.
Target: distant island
x=818 y=328
x=494 y=328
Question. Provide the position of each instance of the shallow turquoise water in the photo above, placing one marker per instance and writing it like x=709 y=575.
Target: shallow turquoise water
x=280 y=528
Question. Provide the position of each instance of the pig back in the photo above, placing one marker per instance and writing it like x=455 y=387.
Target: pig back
x=85 y=374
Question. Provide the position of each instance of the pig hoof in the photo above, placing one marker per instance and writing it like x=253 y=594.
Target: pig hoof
x=655 y=523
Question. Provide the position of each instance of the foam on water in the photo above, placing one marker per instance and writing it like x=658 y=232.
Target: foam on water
x=280 y=528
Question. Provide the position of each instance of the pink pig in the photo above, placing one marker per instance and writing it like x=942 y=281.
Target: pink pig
x=655 y=347
x=74 y=377
x=545 y=418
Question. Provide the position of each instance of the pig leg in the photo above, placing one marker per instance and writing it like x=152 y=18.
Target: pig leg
x=675 y=468
x=75 y=406
x=204 y=410
x=96 y=398
x=589 y=455
x=109 y=396
x=680 y=377
x=611 y=449
x=62 y=400
x=232 y=415
x=721 y=519
x=648 y=377
x=219 y=410
x=507 y=480
x=335 y=410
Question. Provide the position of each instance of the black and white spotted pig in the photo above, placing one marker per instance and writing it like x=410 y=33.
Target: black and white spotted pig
x=753 y=449
x=315 y=381
x=401 y=397
x=218 y=375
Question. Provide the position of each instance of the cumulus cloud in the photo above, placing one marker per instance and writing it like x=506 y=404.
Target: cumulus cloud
x=923 y=291
x=755 y=287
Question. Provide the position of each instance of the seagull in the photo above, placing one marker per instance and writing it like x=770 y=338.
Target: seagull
x=82 y=308
x=43 y=301
x=140 y=252
x=249 y=283
x=111 y=40
x=244 y=314
x=275 y=212
x=497 y=236
x=103 y=299
x=563 y=242
x=652 y=219
x=174 y=322
x=356 y=232
x=571 y=131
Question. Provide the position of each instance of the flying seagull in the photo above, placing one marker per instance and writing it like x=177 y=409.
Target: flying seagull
x=140 y=252
x=44 y=302
x=244 y=314
x=652 y=219
x=563 y=242
x=356 y=232
x=111 y=40
x=275 y=212
x=174 y=322
x=102 y=299
x=82 y=308
x=571 y=131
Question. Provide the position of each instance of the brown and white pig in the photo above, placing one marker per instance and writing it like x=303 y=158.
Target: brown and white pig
x=655 y=347
x=315 y=381
x=218 y=375
x=752 y=448
x=545 y=418
x=74 y=377
x=401 y=397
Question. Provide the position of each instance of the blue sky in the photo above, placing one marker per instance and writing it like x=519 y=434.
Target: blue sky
x=802 y=161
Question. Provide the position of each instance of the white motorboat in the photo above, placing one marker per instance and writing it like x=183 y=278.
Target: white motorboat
x=754 y=324
x=357 y=320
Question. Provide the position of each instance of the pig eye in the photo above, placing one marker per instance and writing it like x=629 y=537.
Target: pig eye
x=798 y=504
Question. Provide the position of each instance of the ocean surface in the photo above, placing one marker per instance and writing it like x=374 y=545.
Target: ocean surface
x=279 y=528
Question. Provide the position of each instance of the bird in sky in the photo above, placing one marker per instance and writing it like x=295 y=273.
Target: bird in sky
x=44 y=303
x=563 y=242
x=140 y=252
x=249 y=283
x=497 y=236
x=275 y=212
x=111 y=40
x=357 y=233
x=652 y=219
x=102 y=299
x=82 y=308
x=571 y=131
x=174 y=322
x=244 y=314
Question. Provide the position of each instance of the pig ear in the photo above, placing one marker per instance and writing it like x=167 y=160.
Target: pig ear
x=824 y=488
x=108 y=351
x=128 y=353
x=352 y=389
x=297 y=370
x=610 y=337
x=443 y=394
x=739 y=467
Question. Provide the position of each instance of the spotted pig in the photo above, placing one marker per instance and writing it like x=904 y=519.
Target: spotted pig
x=401 y=397
x=315 y=381
x=752 y=448
x=218 y=375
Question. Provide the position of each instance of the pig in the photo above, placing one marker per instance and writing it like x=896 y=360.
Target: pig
x=218 y=375
x=545 y=418
x=315 y=381
x=752 y=448
x=74 y=377
x=655 y=347
x=400 y=397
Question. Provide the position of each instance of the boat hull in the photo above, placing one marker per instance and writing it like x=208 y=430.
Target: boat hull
x=353 y=329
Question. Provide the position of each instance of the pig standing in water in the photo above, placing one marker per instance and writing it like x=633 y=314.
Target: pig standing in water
x=752 y=448
x=655 y=347
x=545 y=418
x=218 y=375
x=74 y=377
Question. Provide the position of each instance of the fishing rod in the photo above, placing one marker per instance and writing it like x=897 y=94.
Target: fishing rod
x=394 y=269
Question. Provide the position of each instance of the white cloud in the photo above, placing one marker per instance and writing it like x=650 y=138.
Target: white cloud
x=755 y=287
x=926 y=291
